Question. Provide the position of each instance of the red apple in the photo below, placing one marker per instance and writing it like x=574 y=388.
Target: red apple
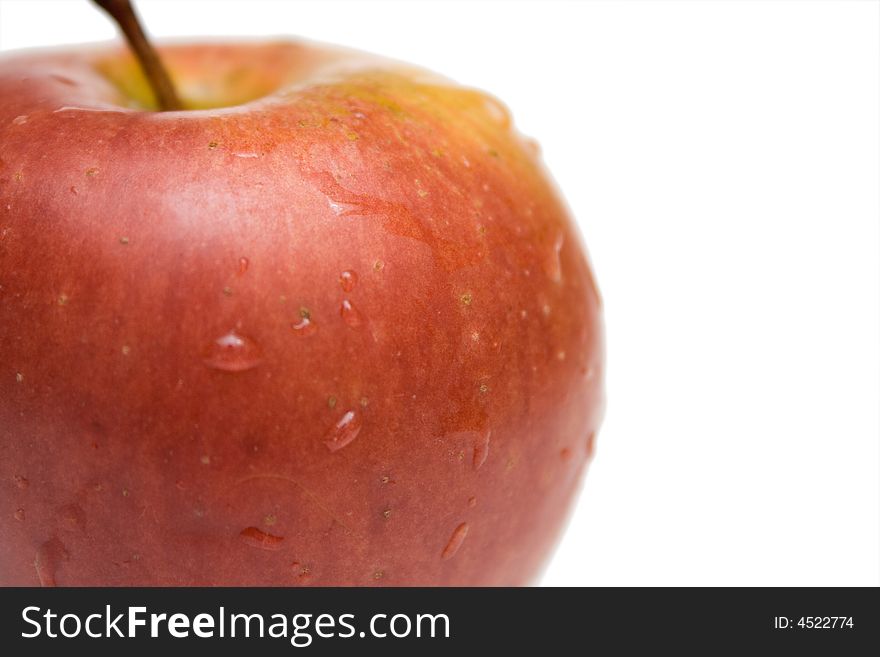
x=332 y=324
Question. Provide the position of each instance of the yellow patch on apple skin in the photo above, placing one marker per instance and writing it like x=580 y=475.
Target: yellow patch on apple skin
x=390 y=105
x=225 y=83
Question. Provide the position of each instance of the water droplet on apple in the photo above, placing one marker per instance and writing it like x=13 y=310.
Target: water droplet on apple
x=344 y=431
x=257 y=538
x=247 y=156
x=19 y=515
x=304 y=327
x=233 y=353
x=351 y=315
x=342 y=209
x=20 y=120
x=64 y=80
x=47 y=559
x=472 y=501
x=348 y=279
x=497 y=111
x=455 y=541
x=591 y=445
x=481 y=449
x=72 y=518
x=532 y=146
x=243 y=264
x=105 y=110
x=554 y=261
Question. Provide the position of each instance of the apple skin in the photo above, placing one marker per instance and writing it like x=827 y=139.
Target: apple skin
x=167 y=414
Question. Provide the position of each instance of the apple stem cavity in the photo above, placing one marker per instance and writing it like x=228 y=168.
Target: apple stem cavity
x=125 y=17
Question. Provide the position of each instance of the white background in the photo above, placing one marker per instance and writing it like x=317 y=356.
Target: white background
x=723 y=160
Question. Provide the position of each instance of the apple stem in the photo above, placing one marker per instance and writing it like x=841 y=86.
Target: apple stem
x=125 y=17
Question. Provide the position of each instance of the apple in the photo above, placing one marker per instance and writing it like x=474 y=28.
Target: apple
x=331 y=323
